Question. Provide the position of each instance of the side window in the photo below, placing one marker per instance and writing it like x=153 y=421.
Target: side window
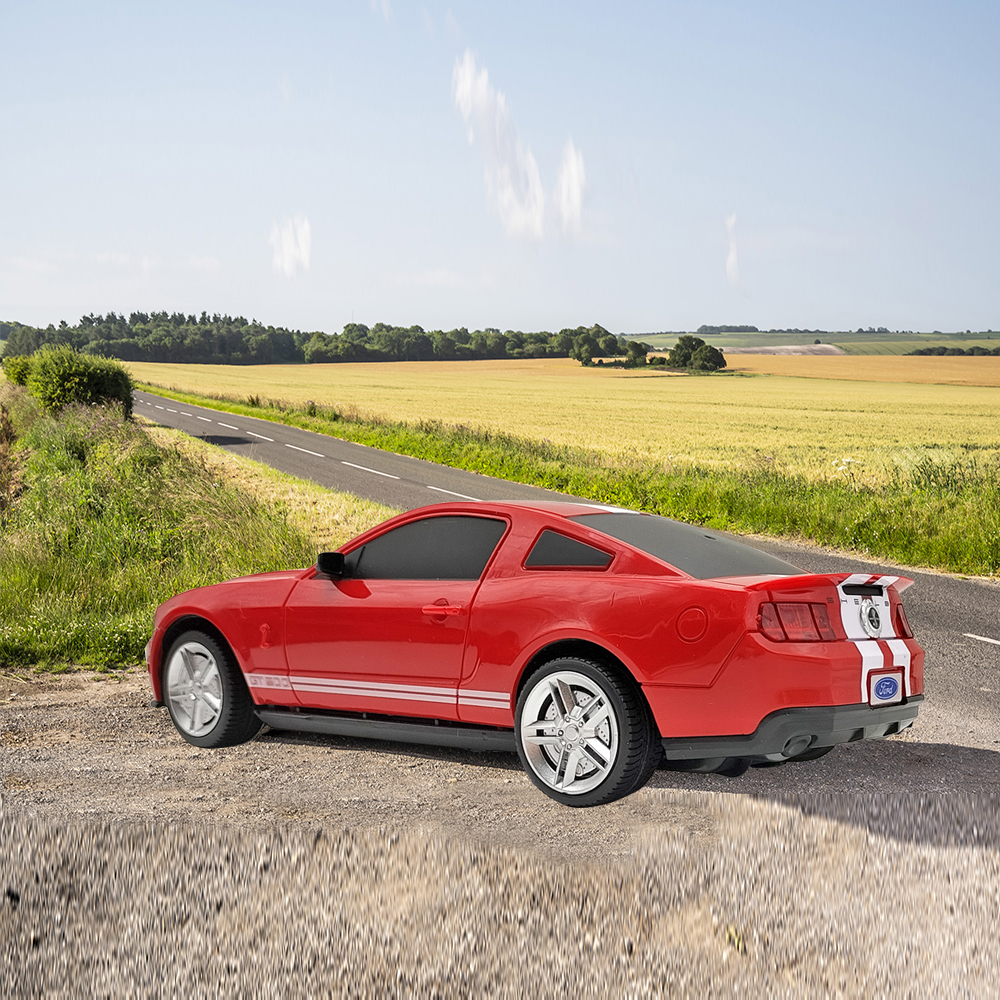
x=435 y=548
x=555 y=551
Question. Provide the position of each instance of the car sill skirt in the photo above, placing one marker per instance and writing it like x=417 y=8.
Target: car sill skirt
x=426 y=733
x=792 y=731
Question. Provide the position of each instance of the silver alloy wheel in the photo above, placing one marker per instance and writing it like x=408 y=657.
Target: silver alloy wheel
x=194 y=688
x=569 y=732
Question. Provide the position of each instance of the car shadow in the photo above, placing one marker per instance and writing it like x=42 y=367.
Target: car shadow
x=936 y=794
x=225 y=440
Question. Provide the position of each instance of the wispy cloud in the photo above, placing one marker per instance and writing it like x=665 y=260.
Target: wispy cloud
x=732 y=261
x=569 y=188
x=382 y=7
x=512 y=177
x=291 y=242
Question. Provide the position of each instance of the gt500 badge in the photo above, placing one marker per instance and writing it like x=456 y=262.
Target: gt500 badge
x=871 y=619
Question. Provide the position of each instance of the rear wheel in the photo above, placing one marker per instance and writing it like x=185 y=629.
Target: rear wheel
x=584 y=734
x=205 y=693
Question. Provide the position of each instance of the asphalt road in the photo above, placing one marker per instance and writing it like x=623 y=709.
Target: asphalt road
x=395 y=480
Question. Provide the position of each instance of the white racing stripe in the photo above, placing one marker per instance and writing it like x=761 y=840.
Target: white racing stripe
x=901 y=658
x=484 y=699
x=372 y=689
x=871 y=659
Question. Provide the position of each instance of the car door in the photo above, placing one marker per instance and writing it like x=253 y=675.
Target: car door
x=390 y=636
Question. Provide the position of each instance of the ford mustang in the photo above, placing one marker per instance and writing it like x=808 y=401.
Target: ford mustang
x=597 y=642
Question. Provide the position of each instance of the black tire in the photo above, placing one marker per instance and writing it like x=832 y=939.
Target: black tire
x=205 y=694
x=734 y=767
x=615 y=760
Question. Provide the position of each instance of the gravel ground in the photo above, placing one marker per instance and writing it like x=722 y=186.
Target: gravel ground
x=133 y=864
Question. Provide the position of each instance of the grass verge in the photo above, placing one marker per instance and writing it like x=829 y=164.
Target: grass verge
x=103 y=521
x=942 y=513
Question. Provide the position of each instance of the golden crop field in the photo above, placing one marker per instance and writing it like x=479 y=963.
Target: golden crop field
x=807 y=424
x=981 y=371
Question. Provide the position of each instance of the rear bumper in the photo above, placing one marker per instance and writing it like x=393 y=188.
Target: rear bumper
x=789 y=732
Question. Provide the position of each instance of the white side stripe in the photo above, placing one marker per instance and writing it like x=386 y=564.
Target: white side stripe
x=871 y=659
x=901 y=658
x=363 y=692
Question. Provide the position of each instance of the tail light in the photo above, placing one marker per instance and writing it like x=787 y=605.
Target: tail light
x=795 y=622
x=902 y=625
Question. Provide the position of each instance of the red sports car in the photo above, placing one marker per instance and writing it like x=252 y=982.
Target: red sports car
x=597 y=642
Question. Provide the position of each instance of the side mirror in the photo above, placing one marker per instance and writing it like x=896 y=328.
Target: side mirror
x=331 y=564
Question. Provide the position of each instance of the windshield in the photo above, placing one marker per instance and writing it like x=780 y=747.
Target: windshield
x=696 y=551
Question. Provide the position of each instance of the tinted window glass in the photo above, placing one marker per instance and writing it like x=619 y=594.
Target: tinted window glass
x=553 y=549
x=697 y=552
x=436 y=548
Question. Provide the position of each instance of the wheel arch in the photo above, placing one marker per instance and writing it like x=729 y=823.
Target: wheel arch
x=189 y=622
x=586 y=649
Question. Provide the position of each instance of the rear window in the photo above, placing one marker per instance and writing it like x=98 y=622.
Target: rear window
x=555 y=551
x=699 y=553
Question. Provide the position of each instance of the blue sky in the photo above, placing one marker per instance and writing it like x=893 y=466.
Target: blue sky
x=530 y=166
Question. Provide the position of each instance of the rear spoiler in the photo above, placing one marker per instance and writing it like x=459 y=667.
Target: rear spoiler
x=849 y=581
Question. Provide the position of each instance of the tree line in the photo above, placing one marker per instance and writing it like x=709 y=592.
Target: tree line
x=974 y=351
x=179 y=338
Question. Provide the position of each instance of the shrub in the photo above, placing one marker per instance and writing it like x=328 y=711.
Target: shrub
x=57 y=376
x=16 y=368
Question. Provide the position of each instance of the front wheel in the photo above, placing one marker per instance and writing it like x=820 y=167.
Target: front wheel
x=584 y=734
x=205 y=693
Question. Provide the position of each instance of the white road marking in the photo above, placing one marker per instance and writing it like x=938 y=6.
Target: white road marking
x=261 y=436
x=170 y=411
x=981 y=638
x=158 y=406
x=438 y=489
x=207 y=421
x=364 y=468
x=306 y=450
x=230 y=426
x=184 y=413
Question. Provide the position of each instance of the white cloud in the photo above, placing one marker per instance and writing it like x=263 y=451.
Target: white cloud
x=382 y=7
x=291 y=243
x=512 y=177
x=570 y=187
x=732 y=262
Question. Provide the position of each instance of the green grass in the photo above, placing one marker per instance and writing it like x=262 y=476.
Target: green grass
x=100 y=525
x=940 y=512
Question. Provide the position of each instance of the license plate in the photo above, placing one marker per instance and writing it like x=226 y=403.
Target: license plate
x=885 y=689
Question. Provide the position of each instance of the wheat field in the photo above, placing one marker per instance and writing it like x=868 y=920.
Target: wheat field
x=809 y=418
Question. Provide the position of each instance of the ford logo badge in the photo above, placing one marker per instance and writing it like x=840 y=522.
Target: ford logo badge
x=886 y=688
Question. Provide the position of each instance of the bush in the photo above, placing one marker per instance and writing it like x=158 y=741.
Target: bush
x=16 y=368
x=58 y=376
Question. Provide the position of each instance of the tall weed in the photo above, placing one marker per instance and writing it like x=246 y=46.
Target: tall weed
x=109 y=525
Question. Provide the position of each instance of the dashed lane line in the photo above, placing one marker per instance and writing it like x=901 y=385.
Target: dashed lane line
x=230 y=426
x=364 y=468
x=306 y=450
x=437 y=489
x=170 y=411
x=207 y=421
x=184 y=413
x=981 y=638
x=261 y=436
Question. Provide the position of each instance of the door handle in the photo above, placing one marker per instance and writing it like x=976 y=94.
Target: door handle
x=437 y=610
